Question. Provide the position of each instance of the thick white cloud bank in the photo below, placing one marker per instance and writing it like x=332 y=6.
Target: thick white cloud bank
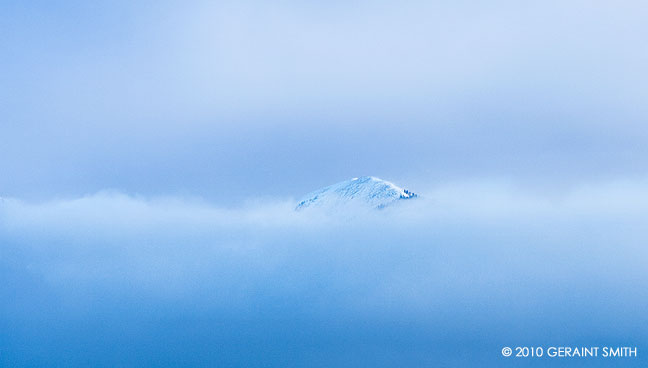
x=111 y=279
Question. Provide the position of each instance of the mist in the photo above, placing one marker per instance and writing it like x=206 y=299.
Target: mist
x=152 y=154
x=232 y=100
x=111 y=279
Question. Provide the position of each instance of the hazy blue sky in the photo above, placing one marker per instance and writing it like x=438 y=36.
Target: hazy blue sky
x=151 y=151
x=267 y=99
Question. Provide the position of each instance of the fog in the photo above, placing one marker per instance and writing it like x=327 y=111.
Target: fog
x=111 y=279
x=151 y=153
x=231 y=100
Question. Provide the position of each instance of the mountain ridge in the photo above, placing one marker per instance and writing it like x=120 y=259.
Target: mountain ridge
x=366 y=190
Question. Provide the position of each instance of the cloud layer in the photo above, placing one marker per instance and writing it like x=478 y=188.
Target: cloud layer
x=230 y=101
x=447 y=279
x=254 y=99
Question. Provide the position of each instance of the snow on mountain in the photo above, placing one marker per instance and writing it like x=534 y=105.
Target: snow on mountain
x=366 y=190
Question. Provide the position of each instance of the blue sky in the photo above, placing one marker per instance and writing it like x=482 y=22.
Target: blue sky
x=151 y=155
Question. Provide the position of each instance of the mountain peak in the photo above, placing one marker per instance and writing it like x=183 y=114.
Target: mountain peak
x=365 y=190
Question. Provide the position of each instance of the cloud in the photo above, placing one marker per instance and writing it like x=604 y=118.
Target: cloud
x=159 y=242
x=238 y=100
x=483 y=262
x=274 y=99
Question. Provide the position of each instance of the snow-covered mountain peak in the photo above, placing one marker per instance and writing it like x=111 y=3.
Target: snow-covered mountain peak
x=367 y=190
